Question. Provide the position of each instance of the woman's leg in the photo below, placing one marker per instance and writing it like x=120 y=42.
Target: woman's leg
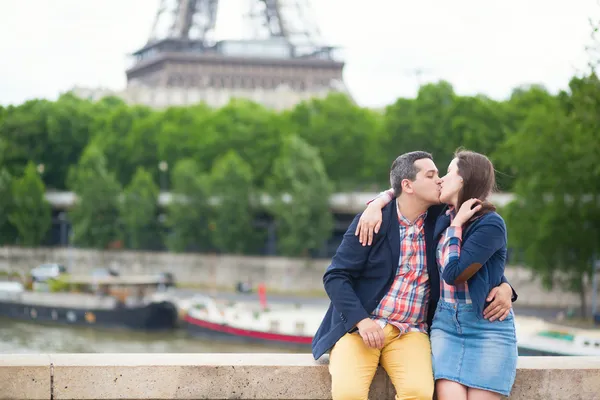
x=479 y=394
x=449 y=390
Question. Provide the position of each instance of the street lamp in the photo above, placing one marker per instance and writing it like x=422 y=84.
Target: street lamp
x=40 y=168
x=62 y=217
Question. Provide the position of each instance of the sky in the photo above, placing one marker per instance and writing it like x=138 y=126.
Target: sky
x=480 y=47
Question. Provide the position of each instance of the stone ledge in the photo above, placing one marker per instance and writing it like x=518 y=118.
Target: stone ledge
x=25 y=376
x=244 y=376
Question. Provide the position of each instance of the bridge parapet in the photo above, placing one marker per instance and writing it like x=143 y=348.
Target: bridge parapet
x=244 y=376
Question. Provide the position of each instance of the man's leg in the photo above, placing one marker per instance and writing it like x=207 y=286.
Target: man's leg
x=407 y=360
x=352 y=366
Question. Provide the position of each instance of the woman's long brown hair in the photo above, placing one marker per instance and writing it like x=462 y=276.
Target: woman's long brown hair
x=479 y=179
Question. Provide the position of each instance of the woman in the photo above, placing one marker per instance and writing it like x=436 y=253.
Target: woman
x=472 y=357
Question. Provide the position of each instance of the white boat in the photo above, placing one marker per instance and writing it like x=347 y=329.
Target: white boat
x=538 y=337
x=281 y=325
x=295 y=325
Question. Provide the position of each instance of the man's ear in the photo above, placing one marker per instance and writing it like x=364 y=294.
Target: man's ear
x=407 y=186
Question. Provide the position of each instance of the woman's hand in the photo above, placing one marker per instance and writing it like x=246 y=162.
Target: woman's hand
x=500 y=299
x=466 y=212
x=369 y=223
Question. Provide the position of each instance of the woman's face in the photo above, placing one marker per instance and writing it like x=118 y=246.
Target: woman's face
x=451 y=184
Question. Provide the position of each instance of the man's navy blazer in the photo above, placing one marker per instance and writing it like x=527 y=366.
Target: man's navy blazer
x=359 y=276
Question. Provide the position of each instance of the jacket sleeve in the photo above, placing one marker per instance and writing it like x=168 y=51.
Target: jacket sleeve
x=346 y=267
x=483 y=242
x=387 y=195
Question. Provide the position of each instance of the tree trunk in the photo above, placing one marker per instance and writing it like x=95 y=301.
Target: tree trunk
x=582 y=297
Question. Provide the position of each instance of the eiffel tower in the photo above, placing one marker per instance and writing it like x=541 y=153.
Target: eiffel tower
x=283 y=62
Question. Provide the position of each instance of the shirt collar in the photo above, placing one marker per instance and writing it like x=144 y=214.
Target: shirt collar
x=403 y=221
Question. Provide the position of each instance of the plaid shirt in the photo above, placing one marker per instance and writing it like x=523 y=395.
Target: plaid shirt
x=448 y=250
x=405 y=304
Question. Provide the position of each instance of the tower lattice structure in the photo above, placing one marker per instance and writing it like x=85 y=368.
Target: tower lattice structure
x=281 y=62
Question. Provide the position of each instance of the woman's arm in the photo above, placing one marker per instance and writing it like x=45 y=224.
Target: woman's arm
x=465 y=259
x=370 y=220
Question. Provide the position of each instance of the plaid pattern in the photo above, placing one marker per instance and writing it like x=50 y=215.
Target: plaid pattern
x=405 y=304
x=448 y=249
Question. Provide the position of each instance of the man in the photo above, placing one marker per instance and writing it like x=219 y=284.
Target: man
x=383 y=296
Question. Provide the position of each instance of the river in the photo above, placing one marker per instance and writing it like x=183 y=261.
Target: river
x=29 y=337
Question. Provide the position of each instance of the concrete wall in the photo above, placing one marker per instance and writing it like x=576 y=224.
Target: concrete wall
x=278 y=273
x=244 y=376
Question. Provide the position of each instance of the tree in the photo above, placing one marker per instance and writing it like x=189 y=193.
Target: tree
x=342 y=132
x=189 y=211
x=231 y=185
x=186 y=133
x=24 y=130
x=594 y=48
x=119 y=134
x=300 y=189
x=250 y=129
x=95 y=217
x=69 y=126
x=424 y=123
x=30 y=214
x=6 y=203
x=138 y=210
x=556 y=218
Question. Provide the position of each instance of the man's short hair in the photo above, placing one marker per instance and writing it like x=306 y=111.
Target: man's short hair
x=404 y=167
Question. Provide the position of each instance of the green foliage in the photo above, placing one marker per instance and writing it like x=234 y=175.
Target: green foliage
x=95 y=217
x=189 y=211
x=68 y=133
x=52 y=134
x=300 y=189
x=339 y=130
x=439 y=121
x=24 y=132
x=556 y=218
x=356 y=144
x=30 y=212
x=138 y=210
x=231 y=186
x=59 y=284
x=6 y=202
x=184 y=134
x=119 y=135
x=252 y=131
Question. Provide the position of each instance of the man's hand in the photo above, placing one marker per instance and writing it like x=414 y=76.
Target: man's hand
x=500 y=307
x=371 y=333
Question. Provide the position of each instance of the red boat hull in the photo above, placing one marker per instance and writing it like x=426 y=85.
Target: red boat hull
x=204 y=328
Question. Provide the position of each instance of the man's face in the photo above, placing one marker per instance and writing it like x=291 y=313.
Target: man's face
x=426 y=186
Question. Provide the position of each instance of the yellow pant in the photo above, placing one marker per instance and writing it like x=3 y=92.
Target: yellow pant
x=406 y=359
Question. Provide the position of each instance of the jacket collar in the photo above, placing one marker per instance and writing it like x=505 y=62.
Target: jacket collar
x=442 y=223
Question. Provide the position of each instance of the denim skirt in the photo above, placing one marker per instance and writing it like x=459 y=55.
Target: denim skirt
x=474 y=352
